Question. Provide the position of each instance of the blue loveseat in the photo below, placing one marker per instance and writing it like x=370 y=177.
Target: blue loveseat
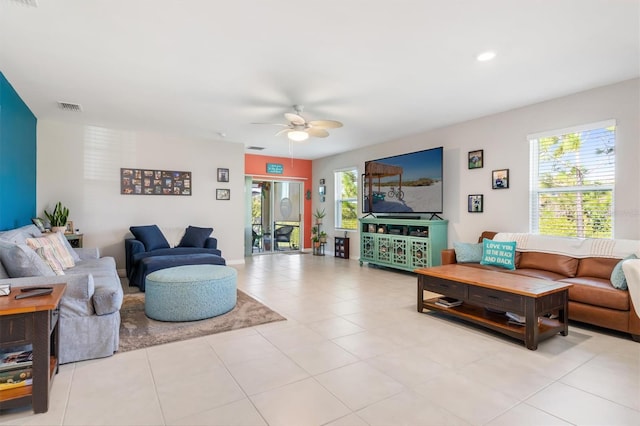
x=150 y=251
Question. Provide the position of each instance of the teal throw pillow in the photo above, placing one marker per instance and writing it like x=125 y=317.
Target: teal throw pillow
x=499 y=253
x=618 y=280
x=468 y=253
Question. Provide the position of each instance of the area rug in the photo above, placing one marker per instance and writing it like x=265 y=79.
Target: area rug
x=137 y=331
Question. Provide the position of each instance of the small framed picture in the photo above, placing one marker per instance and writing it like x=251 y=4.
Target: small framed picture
x=476 y=159
x=500 y=179
x=223 y=175
x=223 y=194
x=475 y=203
x=39 y=223
x=70 y=229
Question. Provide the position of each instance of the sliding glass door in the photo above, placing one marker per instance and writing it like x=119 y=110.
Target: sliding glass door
x=276 y=212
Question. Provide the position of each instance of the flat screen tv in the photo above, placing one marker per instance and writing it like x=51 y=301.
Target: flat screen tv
x=406 y=183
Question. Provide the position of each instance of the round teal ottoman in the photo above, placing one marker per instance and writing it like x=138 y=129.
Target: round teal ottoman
x=190 y=292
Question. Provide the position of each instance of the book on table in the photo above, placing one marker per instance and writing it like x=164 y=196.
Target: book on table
x=515 y=318
x=16 y=357
x=448 y=302
x=19 y=376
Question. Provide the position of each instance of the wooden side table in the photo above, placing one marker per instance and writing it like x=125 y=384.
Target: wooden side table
x=32 y=321
x=74 y=239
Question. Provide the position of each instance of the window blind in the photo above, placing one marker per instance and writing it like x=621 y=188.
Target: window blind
x=572 y=181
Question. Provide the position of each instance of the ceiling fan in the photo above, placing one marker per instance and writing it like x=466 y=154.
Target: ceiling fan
x=299 y=129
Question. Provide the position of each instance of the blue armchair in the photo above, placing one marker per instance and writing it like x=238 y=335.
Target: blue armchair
x=149 y=251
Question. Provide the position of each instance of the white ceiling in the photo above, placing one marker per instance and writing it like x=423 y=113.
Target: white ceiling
x=386 y=69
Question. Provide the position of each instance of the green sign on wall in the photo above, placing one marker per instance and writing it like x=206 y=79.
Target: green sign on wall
x=275 y=168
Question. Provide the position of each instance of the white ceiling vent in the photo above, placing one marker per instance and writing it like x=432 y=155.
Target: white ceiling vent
x=31 y=3
x=256 y=148
x=68 y=106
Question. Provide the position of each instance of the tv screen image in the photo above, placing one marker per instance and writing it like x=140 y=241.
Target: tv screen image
x=406 y=183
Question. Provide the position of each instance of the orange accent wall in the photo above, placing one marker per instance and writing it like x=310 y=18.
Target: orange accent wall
x=293 y=170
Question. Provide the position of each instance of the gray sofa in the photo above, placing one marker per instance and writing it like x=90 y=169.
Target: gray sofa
x=90 y=307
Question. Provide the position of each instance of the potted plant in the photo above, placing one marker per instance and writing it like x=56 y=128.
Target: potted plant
x=58 y=218
x=315 y=239
x=323 y=237
x=319 y=214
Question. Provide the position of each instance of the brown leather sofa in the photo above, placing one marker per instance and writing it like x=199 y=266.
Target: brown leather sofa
x=592 y=298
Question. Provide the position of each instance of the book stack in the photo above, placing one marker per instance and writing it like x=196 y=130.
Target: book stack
x=448 y=302
x=16 y=367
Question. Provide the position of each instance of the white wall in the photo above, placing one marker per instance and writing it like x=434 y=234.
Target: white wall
x=503 y=137
x=80 y=166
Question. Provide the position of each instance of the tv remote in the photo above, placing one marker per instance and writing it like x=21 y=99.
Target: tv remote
x=35 y=293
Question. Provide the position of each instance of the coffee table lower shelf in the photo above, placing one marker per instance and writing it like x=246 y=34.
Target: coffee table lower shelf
x=547 y=327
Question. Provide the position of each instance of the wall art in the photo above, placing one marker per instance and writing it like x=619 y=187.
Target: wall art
x=476 y=159
x=155 y=182
x=500 y=179
x=475 y=203
x=223 y=175
x=223 y=194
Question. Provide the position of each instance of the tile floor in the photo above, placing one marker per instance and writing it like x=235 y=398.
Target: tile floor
x=354 y=351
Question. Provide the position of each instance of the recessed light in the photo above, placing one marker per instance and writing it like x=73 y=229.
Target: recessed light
x=486 y=56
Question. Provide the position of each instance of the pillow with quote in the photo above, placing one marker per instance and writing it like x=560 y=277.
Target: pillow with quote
x=499 y=253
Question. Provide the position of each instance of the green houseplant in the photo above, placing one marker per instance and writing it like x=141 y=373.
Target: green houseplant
x=58 y=217
x=319 y=214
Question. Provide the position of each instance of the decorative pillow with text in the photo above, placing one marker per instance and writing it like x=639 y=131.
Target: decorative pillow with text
x=499 y=253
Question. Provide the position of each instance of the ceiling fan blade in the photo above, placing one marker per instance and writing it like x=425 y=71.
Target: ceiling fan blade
x=283 y=131
x=294 y=118
x=274 y=124
x=326 y=124
x=317 y=132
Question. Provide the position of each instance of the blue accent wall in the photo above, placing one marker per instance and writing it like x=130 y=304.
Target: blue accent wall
x=17 y=159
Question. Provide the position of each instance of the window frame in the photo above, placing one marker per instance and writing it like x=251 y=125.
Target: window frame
x=535 y=190
x=338 y=200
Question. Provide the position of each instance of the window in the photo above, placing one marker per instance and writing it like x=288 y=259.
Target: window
x=346 y=194
x=572 y=181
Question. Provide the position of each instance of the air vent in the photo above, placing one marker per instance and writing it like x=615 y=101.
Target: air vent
x=256 y=148
x=31 y=3
x=68 y=106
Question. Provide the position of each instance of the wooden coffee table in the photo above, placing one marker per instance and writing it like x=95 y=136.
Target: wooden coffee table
x=484 y=292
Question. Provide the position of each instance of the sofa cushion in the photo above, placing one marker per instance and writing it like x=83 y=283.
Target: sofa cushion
x=539 y=273
x=195 y=237
x=3 y=271
x=618 y=279
x=54 y=244
x=468 y=253
x=597 y=292
x=18 y=235
x=50 y=258
x=499 y=253
x=151 y=237
x=560 y=264
x=173 y=252
x=596 y=267
x=20 y=260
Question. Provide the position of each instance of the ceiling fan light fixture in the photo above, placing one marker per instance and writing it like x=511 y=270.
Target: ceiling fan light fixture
x=486 y=56
x=298 y=135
